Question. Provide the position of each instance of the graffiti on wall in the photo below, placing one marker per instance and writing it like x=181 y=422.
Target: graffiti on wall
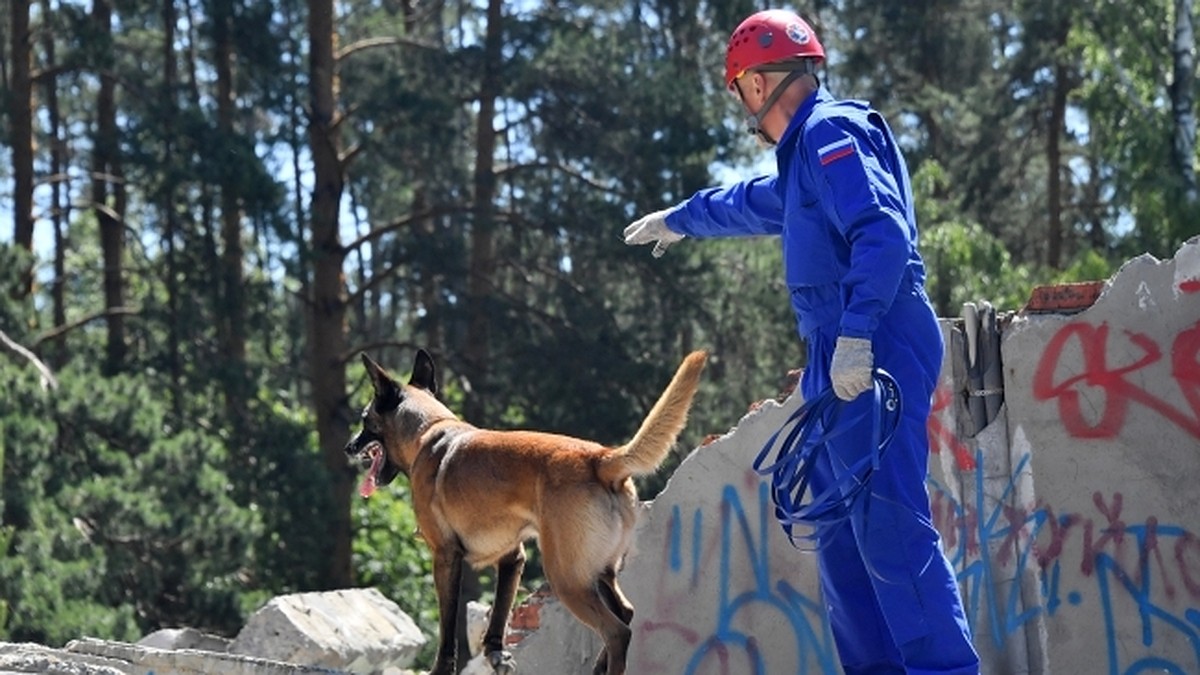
x=1122 y=584
x=1062 y=372
x=1089 y=563
x=1093 y=563
x=749 y=594
x=941 y=430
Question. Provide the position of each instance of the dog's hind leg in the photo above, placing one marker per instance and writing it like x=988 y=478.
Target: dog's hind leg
x=569 y=551
x=617 y=603
x=447 y=578
x=613 y=598
x=508 y=577
x=587 y=603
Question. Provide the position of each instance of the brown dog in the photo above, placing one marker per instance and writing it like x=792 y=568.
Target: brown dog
x=479 y=495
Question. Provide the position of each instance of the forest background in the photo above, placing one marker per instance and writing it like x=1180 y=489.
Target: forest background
x=209 y=208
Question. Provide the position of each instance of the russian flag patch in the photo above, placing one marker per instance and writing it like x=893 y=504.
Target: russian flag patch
x=835 y=151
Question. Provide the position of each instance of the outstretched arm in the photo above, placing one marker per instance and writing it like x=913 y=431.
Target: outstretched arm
x=751 y=207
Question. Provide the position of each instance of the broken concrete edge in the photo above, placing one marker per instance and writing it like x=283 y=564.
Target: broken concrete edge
x=1074 y=297
x=185 y=638
x=93 y=656
x=355 y=629
x=332 y=632
x=188 y=660
x=30 y=657
x=791 y=382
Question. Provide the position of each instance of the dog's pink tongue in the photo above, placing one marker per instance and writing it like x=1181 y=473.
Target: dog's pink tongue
x=369 y=484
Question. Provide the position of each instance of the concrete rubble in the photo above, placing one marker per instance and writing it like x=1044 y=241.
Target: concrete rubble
x=359 y=631
x=345 y=632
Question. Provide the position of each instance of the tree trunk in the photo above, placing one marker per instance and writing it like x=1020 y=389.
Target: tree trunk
x=427 y=229
x=59 y=216
x=166 y=203
x=327 y=294
x=1064 y=82
x=481 y=266
x=426 y=26
x=203 y=256
x=482 y=263
x=1183 y=103
x=1093 y=200
x=21 y=139
x=1054 y=169
x=108 y=199
x=232 y=312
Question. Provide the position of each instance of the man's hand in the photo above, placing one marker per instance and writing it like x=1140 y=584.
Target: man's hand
x=851 y=367
x=652 y=228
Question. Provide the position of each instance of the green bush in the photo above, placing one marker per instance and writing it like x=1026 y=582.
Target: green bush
x=963 y=262
x=116 y=522
x=390 y=556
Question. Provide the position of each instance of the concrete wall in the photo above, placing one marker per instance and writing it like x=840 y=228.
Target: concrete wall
x=1104 y=429
x=1066 y=486
x=717 y=586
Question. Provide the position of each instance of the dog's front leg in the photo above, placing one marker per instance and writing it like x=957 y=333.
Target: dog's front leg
x=447 y=578
x=508 y=577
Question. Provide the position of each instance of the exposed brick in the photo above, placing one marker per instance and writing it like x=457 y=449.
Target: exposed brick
x=526 y=617
x=1063 y=298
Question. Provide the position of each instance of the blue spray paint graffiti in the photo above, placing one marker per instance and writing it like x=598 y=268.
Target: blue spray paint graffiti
x=996 y=542
x=1138 y=583
x=756 y=593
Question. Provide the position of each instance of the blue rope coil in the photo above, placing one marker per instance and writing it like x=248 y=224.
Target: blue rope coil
x=809 y=431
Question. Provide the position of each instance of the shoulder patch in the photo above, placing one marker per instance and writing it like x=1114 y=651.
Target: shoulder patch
x=836 y=150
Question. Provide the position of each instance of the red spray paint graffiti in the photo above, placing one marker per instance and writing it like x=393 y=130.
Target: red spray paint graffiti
x=1114 y=380
x=1039 y=534
x=940 y=436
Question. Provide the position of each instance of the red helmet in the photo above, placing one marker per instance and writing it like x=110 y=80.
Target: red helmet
x=767 y=37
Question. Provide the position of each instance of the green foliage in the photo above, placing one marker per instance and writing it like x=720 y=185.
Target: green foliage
x=963 y=262
x=1089 y=265
x=12 y=261
x=119 y=525
x=52 y=580
x=6 y=534
x=389 y=555
x=120 y=518
x=1126 y=50
x=277 y=472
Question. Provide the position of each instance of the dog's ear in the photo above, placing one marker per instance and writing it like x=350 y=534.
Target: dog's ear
x=424 y=374
x=387 y=391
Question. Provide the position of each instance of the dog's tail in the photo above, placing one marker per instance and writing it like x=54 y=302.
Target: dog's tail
x=658 y=432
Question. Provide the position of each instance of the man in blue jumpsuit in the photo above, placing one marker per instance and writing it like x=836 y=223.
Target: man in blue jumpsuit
x=842 y=206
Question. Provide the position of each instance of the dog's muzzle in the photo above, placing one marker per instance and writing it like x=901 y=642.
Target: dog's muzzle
x=371 y=457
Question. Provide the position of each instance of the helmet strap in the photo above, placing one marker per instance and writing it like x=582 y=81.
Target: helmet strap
x=754 y=122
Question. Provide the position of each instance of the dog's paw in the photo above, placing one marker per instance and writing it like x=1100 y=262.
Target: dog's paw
x=502 y=663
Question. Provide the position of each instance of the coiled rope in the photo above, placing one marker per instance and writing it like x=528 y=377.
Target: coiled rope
x=809 y=431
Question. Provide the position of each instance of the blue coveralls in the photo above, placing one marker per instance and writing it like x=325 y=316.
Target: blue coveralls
x=842 y=206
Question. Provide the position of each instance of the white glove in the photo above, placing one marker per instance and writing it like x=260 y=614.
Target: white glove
x=850 y=370
x=652 y=228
